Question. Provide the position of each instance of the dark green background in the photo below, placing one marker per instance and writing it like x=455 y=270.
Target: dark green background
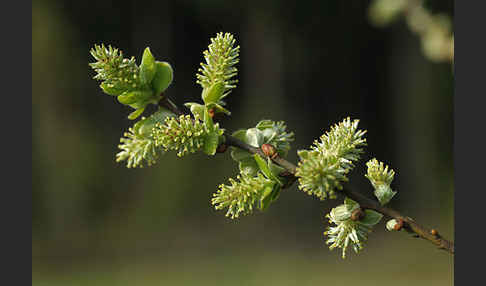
x=309 y=63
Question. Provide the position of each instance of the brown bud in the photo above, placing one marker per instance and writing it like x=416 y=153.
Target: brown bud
x=285 y=174
x=399 y=224
x=211 y=112
x=221 y=148
x=434 y=232
x=268 y=150
x=357 y=214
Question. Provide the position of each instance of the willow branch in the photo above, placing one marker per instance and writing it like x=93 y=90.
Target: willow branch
x=366 y=203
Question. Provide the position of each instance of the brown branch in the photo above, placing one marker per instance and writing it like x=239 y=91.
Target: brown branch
x=366 y=203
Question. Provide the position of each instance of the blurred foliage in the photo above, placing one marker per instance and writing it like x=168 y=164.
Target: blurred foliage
x=435 y=30
x=309 y=63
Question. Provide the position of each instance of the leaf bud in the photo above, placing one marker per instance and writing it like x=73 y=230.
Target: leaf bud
x=268 y=150
x=399 y=225
x=357 y=214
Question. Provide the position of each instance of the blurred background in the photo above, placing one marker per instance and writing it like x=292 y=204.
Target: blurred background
x=309 y=63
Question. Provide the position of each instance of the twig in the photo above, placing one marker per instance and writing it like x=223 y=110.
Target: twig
x=408 y=224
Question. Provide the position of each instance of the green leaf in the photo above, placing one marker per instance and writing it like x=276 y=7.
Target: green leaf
x=254 y=137
x=214 y=93
x=262 y=164
x=147 y=67
x=350 y=204
x=274 y=168
x=248 y=166
x=384 y=193
x=371 y=218
x=136 y=113
x=265 y=124
x=218 y=108
x=111 y=89
x=267 y=197
x=276 y=192
x=239 y=154
x=128 y=97
x=247 y=163
x=137 y=98
x=163 y=77
x=196 y=109
x=211 y=142
x=240 y=134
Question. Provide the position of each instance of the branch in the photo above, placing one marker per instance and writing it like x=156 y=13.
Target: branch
x=405 y=222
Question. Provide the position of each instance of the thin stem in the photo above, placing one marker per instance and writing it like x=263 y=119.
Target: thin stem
x=408 y=223
x=166 y=102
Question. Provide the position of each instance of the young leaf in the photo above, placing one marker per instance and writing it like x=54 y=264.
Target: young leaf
x=196 y=109
x=218 y=108
x=371 y=218
x=262 y=164
x=147 y=67
x=238 y=154
x=211 y=142
x=350 y=204
x=274 y=168
x=138 y=98
x=266 y=199
x=240 y=134
x=128 y=97
x=248 y=166
x=162 y=78
x=384 y=194
x=254 y=137
x=136 y=113
x=214 y=93
x=111 y=89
